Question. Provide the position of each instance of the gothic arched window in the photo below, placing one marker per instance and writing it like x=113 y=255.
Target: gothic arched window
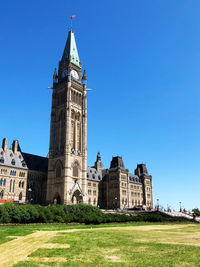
x=58 y=171
x=20 y=196
x=75 y=170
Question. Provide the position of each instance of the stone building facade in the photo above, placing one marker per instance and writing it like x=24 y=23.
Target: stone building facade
x=13 y=173
x=63 y=177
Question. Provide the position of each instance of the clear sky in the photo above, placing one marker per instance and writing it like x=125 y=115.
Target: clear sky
x=142 y=60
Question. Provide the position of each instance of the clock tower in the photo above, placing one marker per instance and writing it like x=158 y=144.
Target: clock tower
x=67 y=167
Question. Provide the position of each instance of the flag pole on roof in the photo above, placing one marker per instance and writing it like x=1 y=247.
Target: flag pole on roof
x=72 y=17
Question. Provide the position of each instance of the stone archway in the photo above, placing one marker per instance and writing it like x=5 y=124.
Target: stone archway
x=77 y=197
x=1 y=194
x=57 y=199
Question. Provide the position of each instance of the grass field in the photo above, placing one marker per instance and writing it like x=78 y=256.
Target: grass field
x=103 y=245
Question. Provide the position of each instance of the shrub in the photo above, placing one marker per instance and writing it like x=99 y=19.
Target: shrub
x=80 y=213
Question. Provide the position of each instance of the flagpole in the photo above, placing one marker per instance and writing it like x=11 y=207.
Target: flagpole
x=73 y=16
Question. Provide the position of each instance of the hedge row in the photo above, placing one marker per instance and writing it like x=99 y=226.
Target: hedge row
x=81 y=213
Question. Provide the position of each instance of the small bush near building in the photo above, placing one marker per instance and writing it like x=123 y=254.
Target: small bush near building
x=80 y=213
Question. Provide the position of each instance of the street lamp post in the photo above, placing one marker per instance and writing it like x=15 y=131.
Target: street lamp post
x=80 y=198
x=115 y=202
x=180 y=206
x=157 y=204
x=29 y=197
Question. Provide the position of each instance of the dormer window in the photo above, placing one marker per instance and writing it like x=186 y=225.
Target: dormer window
x=13 y=162
x=23 y=163
x=11 y=154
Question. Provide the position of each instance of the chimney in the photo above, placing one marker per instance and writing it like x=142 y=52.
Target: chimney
x=5 y=144
x=15 y=146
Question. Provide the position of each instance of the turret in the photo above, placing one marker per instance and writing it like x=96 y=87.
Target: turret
x=141 y=169
x=84 y=78
x=55 y=76
x=98 y=163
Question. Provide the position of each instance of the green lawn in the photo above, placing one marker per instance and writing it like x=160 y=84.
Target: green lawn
x=124 y=245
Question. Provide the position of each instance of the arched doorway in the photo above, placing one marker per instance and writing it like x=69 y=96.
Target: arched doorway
x=57 y=199
x=77 y=197
x=1 y=194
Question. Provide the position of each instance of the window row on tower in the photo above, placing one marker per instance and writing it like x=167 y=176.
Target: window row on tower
x=76 y=97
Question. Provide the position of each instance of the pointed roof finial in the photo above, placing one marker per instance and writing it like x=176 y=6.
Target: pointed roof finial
x=84 y=76
x=55 y=74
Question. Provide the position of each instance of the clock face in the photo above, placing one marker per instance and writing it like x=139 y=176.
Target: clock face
x=64 y=73
x=74 y=74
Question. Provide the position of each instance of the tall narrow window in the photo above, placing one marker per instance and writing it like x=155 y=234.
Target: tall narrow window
x=75 y=171
x=58 y=172
x=10 y=185
x=72 y=134
x=13 y=185
x=78 y=136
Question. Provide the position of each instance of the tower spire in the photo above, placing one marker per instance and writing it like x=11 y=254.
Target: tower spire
x=70 y=52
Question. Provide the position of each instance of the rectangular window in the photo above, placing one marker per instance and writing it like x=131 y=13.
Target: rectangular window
x=94 y=192
x=94 y=184
x=123 y=192
x=89 y=192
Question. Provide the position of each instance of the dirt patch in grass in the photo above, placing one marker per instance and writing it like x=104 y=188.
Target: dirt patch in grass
x=53 y=245
x=47 y=259
x=113 y=259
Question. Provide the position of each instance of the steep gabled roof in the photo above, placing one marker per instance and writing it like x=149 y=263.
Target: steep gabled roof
x=36 y=163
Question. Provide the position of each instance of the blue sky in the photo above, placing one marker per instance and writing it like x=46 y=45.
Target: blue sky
x=142 y=60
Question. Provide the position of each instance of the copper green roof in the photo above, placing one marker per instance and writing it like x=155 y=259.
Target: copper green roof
x=70 y=50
